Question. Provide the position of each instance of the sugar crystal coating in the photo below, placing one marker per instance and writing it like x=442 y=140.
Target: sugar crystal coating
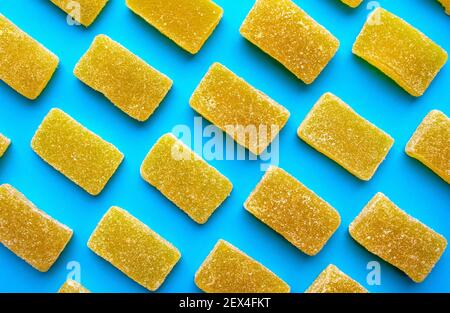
x=83 y=11
x=243 y=112
x=25 y=64
x=334 y=129
x=292 y=210
x=403 y=241
x=446 y=5
x=188 y=23
x=400 y=51
x=184 y=178
x=333 y=280
x=288 y=34
x=72 y=286
x=229 y=270
x=133 y=248
x=430 y=144
x=75 y=151
x=4 y=144
x=30 y=233
x=352 y=3
x=126 y=80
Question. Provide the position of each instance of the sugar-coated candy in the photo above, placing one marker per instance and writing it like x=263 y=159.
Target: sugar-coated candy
x=390 y=233
x=430 y=144
x=4 y=144
x=133 y=248
x=30 y=233
x=243 y=112
x=72 y=286
x=79 y=154
x=293 y=211
x=127 y=81
x=334 y=129
x=352 y=3
x=446 y=5
x=400 y=51
x=288 y=34
x=229 y=270
x=25 y=64
x=83 y=11
x=333 y=280
x=188 y=23
x=184 y=178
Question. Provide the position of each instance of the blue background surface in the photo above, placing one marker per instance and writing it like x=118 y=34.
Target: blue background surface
x=407 y=182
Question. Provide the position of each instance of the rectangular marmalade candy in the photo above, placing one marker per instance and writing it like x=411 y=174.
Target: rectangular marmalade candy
x=30 y=233
x=352 y=3
x=288 y=34
x=388 y=232
x=430 y=144
x=185 y=179
x=334 y=129
x=83 y=11
x=188 y=23
x=246 y=114
x=4 y=144
x=127 y=81
x=72 y=286
x=446 y=5
x=333 y=280
x=133 y=248
x=25 y=64
x=228 y=270
x=293 y=211
x=79 y=154
x=400 y=51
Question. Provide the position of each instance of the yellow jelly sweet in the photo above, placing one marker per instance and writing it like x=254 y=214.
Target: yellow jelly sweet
x=30 y=233
x=399 y=50
x=388 y=232
x=334 y=129
x=246 y=114
x=126 y=80
x=288 y=34
x=83 y=11
x=293 y=211
x=352 y=3
x=188 y=23
x=430 y=144
x=4 y=144
x=333 y=280
x=71 y=286
x=229 y=270
x=184 y=178
x=76 y=152
x=25 y=64
x=133 y=248
x=446 y=5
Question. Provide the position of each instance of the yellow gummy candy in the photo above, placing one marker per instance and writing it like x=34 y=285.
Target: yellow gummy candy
x=126 y=80
x=400 y=51
x=243 y=112
x=71 y=286
x=334 y=129
x=352 y=3
x=333 y=280
x=446 y=5
x=25 y=64
x=76 y=152
x=288 y=34
x=83 y=11
x=30 y=233
x=292 y=210
x=133 y=248
x=188 y=23
x=184 y=178
x=388 y=232
x=229 y=270
x=430 y=144
x=4 y=144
